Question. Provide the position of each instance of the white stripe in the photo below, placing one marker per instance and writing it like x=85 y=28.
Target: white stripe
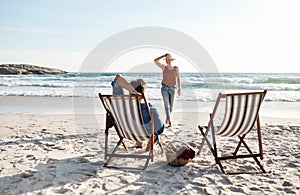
x=126 y=112
x=238 y=113
x=226 y=119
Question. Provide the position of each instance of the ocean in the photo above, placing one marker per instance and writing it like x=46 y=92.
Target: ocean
x=195 y=86
x=78 y=92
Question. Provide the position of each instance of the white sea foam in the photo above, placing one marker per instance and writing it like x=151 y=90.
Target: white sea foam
x=195 y=86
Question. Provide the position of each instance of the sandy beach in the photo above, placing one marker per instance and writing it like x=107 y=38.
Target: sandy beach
x=58 y=57
x=47 y=153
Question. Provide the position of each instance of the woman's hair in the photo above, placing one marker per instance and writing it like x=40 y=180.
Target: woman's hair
x=139 y=85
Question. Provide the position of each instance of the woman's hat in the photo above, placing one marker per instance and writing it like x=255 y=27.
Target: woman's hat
x=169 y=57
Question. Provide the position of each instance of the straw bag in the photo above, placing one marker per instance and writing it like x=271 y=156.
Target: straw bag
x=179 y=153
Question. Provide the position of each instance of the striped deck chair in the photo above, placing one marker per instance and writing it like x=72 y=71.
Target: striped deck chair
x=239 y=118
x=124 y=111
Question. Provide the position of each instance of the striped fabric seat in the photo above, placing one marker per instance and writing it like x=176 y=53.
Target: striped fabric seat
x=240 y=114
x=126 y=110
x=125 y=114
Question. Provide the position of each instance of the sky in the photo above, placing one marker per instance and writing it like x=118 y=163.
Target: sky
x=239 y=35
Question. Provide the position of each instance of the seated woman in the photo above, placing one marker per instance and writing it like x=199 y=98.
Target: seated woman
x=134 y=87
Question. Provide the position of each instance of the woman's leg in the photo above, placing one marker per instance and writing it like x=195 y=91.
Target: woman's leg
x=171 y=98
x=165 y=95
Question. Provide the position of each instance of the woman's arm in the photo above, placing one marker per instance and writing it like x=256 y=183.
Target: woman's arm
x=178 y=81
x=156 y=61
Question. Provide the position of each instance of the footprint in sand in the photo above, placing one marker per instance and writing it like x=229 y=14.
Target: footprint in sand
x=59 y=148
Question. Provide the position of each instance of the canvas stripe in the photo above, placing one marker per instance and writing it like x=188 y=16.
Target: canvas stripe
x=127 y=113
x=227 y=117
x=116 y=104
x=254 y=105
x=250 y=115
x=240 y=109
x=108 y=103
x=235 y=116
x=124 y=118
x=142 y=133
x=244 y=110
x=133 y=120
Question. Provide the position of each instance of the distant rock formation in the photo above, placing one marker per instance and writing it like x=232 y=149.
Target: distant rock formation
x=28 y=69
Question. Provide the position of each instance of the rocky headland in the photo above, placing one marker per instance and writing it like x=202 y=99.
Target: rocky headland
x=28 y=69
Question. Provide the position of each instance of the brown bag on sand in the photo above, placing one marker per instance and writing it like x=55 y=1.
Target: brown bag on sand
x=179 y=154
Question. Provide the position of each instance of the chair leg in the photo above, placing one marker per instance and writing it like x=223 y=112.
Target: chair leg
x=148 y=159
x=259 y=138
x=205 y=139
x=239 y=144
x=254 y=157
x=218 y=160
x=152 y=147
x=124 y=144
x=221 y=166
x=106 y=144
x=161 y=148
x=108 y=122
x=112 y=154
x=212 y=149
x=235 y=156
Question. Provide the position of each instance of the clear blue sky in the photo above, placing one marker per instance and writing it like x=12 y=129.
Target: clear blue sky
x=239 y=35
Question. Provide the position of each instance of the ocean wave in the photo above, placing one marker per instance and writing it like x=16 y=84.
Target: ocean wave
x=281 y=87
x=149 y=98
x=283 y=80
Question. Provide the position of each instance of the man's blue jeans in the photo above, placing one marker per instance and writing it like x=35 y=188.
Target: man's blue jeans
x=168 y=94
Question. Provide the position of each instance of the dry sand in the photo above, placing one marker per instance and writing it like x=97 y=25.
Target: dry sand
x=63 y=154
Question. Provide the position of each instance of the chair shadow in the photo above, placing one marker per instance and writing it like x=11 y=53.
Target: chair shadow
x=26 y=140
x=162 y=180
x=158 y=178
x=54 y=173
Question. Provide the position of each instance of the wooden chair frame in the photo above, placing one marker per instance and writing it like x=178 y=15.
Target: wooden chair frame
x=213 y=147
x=110 y=117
